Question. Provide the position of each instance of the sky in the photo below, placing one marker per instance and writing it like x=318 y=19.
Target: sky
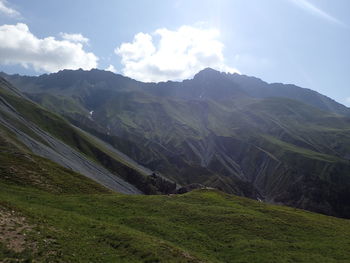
x=303 y=42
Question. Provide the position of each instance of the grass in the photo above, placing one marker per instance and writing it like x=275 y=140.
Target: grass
x=201 y=226
x=66 y=105
x=306 y=153
x=18 y=166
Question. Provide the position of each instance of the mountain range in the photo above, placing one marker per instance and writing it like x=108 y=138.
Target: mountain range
x=278 y=143
x=97 y=167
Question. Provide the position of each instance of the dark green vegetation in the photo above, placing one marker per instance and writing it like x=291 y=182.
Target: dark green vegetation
x=236 y=133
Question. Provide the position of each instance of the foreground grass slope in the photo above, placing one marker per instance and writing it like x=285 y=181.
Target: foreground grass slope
x=201 y=226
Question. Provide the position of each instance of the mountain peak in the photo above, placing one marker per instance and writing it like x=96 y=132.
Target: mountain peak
x=207 y=72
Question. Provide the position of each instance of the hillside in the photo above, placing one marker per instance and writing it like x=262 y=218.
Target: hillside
x=280 y=143
x=200 y=226
x=47 y=135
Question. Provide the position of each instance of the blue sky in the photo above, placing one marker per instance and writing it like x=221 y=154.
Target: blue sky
x=304 y=42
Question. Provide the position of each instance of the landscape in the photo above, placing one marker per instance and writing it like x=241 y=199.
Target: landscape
x=172 y=155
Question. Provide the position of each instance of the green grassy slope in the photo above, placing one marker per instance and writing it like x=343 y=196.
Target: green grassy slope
x=66 y=105
x=19 y=167
x=200 y=226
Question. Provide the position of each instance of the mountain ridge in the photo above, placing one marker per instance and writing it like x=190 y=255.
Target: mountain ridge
x=220 y=130
x=241 y=79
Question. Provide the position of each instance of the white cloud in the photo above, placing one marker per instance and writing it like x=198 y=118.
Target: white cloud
x=312 y=9
x=4 y=9
x=19 y=46
x=176 y=55
x=76 y=38
x=111 y=68
x=347 y=101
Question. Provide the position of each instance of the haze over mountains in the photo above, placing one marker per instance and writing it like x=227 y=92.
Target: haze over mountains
x=275 y=142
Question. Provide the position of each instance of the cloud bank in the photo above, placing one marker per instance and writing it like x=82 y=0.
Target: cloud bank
x=172 y=55
x=8 y=11
x=19 y=46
